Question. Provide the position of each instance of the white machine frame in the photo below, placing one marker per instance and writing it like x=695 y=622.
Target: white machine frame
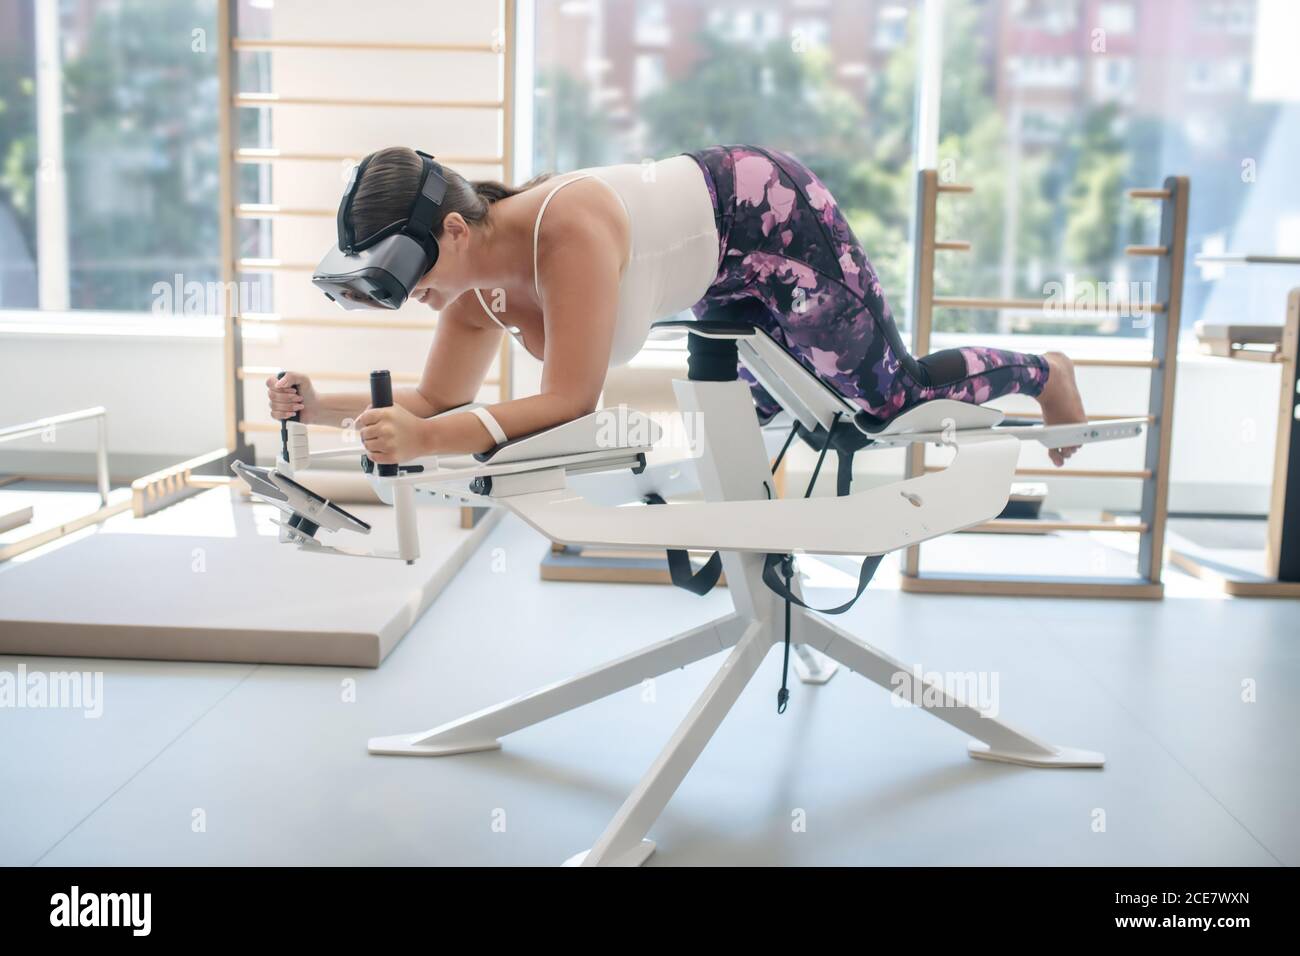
x=549 y=480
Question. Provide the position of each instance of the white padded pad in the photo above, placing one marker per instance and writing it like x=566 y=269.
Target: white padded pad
x=132 y=589
x=933 y=416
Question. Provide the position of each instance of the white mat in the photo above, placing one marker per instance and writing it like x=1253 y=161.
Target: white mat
x=206 y=580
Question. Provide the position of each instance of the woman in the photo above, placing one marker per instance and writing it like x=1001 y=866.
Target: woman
x=577 y=267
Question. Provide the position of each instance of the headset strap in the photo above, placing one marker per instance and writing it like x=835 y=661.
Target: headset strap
x=418 y=225
x=344 y=222
x=433 y=187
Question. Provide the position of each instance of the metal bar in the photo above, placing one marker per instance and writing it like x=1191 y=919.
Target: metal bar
x=1069 y=472
x=1146 y=250
x=101 y=458
x=232 y=343
x=27 y=429
x=923 y=299
x=510 y=15
x=954 y=188
x=273 y=265
x=953 y=245
x=260 y=155
x=276 y=99
x=266 y=210
x=1148 y=194
x=1108 y=417
x=1013 y=526
x=1040 y=305
x=1114 y=363
x=989 y=585
x=1247 y=259
x=101 y=513
x=253 y=372
x=298 y=321
x=251 y=44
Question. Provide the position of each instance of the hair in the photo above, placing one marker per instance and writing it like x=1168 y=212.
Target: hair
x=388 y=186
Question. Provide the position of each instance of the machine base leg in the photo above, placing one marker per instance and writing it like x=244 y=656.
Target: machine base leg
x=1064 y=756
x=812 y=667
x=409 y=745
x=633 y=857
x=995 y=739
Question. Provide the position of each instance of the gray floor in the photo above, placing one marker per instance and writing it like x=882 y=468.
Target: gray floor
x=272 y=759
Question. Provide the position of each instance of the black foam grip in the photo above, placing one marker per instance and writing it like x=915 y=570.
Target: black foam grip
x=381 y=396
x=381 y=388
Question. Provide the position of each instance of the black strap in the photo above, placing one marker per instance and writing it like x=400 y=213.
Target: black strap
x=821 y=457
x=844 y=474
x=785 y=448
x=772 y=564
x=783 y=694
x=680 y=571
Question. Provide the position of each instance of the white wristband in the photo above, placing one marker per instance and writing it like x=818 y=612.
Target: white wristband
x=491 y=424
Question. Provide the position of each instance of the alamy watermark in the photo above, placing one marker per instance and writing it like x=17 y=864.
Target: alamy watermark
x=1120 y=300
x=57 y=690
x=180 y=296
x=933 y=689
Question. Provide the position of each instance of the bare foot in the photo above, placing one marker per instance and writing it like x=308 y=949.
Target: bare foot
x=1060 y=401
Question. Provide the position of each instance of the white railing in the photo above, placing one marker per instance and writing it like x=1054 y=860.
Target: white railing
x=42 y=425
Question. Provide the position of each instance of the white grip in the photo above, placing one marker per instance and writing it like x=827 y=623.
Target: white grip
x=491 y=424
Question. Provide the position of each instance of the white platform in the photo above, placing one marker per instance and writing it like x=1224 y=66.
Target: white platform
x=206 y=580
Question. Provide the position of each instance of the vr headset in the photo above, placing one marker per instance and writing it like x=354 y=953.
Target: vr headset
x=380 y=271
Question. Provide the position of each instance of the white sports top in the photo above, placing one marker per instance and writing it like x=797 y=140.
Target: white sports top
x=674 y=245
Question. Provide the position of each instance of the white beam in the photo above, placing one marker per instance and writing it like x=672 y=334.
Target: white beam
x=51 y=179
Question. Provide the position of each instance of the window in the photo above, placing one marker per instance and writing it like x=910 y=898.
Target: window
x=891 y=27
x=734 y=73
x=108 y=156
x=1043 y=126
x=752 y=25
x=1226 y=16
x=652 y=23
x=1049 y=203
x=810 y=32
x=1044 y=72
x=1048 y=16
x=1113 y=78
x=1219 y=75
x=1117 y=17
x=1049 y=130
x=649 y=74
x=19 y=250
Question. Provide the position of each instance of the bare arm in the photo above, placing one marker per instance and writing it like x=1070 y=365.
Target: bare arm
x=458 y=362
x=579 y=273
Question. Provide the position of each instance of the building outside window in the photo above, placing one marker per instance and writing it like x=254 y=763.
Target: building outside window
x=108 y=160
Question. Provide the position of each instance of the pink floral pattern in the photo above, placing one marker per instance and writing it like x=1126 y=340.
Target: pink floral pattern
x=784 y=242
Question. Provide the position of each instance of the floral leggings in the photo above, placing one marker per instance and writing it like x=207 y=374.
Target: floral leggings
x=789 y=263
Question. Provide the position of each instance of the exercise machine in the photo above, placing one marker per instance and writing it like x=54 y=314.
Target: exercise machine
x=571 y=483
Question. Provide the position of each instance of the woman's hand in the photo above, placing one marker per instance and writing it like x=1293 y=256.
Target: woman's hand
x=393 y=435
x=286 y=400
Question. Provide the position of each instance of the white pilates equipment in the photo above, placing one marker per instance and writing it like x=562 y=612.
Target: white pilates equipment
x=566 y=481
